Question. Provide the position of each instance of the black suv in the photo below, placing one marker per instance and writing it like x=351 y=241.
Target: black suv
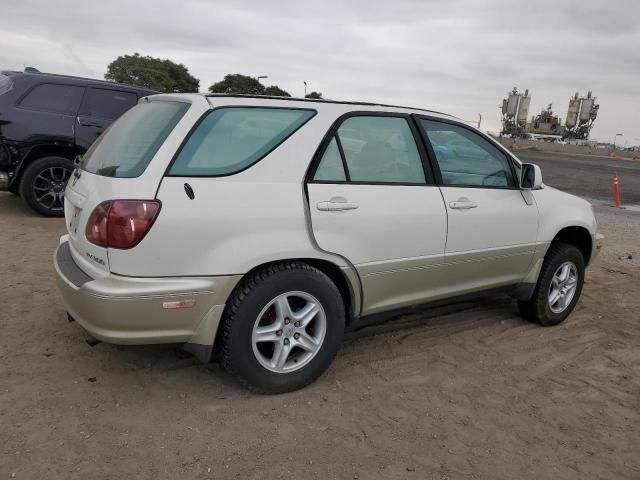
x=46 y=121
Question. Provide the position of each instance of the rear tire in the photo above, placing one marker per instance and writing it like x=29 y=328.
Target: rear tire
x=259 y=328
x=555 y=297
x=43 y=183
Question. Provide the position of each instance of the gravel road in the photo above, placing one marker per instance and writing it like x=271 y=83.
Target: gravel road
x=588 y=176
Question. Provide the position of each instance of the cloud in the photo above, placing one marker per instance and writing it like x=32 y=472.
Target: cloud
x=459 y=56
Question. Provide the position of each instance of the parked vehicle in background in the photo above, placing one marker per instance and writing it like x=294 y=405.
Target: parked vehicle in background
x=262 y=228
x=46 y=121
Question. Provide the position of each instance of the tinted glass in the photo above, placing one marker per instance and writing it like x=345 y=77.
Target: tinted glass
x=54 y=98
x=128 y=145
x=528 y=175
x=467 y=159
x=6 y=83
x=380 y=149
x=330 y=167
x=106 y=103
x=231 y=139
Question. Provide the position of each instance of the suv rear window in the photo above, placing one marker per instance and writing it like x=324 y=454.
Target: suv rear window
x=232 y=139
x=49 y=97
x=125 y=149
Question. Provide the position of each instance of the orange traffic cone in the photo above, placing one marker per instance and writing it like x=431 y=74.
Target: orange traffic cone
x=616 y=190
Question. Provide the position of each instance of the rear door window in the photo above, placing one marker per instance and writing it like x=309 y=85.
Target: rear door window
x=232 y=139
x=377 y=149
x=128 y=145
x=107 y=103
x=54 y=98
x=331 y=168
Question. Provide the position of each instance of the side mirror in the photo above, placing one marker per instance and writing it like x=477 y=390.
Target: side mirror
x=531 y=178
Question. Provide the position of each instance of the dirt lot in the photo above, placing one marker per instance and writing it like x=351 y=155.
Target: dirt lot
x=471 y=391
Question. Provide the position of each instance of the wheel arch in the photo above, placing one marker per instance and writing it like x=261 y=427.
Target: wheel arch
x=577 y=236
x=67 y=151
x=349 y=292
x=342 y=282
x=346 y=280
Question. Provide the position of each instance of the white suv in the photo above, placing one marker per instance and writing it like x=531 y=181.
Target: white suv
x=261 y=228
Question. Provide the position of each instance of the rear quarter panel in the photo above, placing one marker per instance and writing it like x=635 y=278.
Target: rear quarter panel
x=87 y=191
x=236 y=222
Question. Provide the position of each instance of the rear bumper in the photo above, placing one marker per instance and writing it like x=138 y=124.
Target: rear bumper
x=126 y=310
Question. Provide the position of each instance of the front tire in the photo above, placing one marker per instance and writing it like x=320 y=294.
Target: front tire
x=559 y=286
x=282 y=328
x=43 y=183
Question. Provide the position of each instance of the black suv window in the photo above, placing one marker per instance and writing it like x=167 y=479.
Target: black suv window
x=107 y=103
x=54 y=98
x=5 y=83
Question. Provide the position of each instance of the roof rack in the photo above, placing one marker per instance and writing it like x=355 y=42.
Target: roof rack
x=74 y=77
x=322 y=100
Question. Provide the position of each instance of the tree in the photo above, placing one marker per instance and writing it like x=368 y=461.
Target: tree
x=238 y=84
x=275 y=91
x=154 y=73
x=314 y=94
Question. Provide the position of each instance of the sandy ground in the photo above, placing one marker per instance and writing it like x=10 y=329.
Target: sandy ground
x=471 y=391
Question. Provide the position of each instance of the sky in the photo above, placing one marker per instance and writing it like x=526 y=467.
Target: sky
x=456 y=56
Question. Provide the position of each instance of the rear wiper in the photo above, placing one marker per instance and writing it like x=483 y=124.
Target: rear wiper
x=108 y=171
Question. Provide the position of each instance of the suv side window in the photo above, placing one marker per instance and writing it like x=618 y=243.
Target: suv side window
x=331 y=168
x=467 y=159
x=231 y=139
x=380 y=149
x=107 y=103
x=54 y=98
x=372 y=149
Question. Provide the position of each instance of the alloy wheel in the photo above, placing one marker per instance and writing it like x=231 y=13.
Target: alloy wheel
x=563 y=287
x=49 y=185
x=289 y=332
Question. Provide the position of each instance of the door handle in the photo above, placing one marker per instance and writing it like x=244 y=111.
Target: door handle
x=462 y=205
x=335 y=205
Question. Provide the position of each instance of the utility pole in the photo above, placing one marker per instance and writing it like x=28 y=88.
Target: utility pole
x=479 y=120
x=305 y=89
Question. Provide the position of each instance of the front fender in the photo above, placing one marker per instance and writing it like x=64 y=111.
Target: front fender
x=559 y=210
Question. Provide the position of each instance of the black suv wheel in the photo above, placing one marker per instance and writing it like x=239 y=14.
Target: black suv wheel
x=43 y=183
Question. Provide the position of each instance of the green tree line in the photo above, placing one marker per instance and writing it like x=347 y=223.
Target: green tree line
x=166 y=76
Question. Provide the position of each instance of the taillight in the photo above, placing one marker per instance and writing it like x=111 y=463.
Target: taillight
x=121 y=223
x=96 y=231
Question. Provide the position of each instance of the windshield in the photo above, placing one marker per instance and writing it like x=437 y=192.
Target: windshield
x=125 y=149
x=6 y=83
